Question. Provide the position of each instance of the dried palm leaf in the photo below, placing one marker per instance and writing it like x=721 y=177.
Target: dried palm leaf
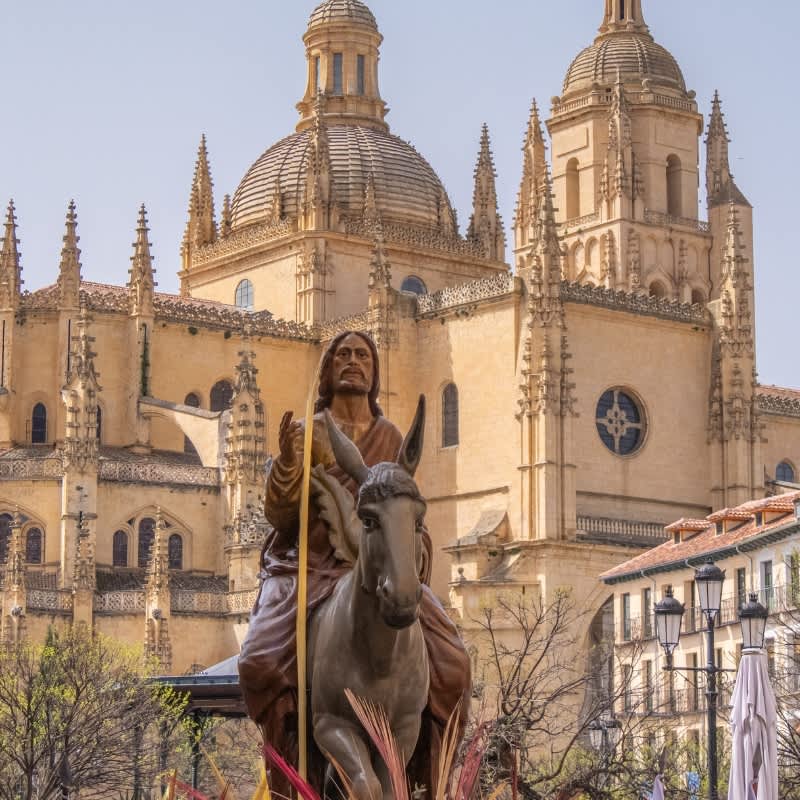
x=374 y=721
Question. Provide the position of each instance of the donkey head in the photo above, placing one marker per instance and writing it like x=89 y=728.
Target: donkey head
x=392 y=513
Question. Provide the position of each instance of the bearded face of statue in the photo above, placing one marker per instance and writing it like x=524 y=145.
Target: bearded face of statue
x=353 y=366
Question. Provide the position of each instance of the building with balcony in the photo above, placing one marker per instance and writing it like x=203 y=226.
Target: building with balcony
x=757 y=544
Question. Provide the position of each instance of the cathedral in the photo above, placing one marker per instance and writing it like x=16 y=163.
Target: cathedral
x=587 y=383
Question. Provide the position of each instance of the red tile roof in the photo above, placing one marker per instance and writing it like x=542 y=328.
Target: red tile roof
x=707 y=540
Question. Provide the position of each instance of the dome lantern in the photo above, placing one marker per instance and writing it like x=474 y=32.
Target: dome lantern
x=623 y=15
x=342 y=53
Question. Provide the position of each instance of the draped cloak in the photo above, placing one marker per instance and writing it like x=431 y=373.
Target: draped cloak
x=268 y=661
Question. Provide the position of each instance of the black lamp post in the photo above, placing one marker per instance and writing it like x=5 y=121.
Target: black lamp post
x=604 y=735
x=669 y=613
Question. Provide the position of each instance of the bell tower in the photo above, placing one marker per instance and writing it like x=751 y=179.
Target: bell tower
x=625 y=151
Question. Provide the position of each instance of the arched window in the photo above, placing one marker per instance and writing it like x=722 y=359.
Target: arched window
x=784 y=472
x=39 y=424
x=413 y=285
x=33 y=546
x=698 y=297
x=99 y=424
x=147 y=532
x=175 y=551
x=193 y=401
x=245 y=295
x=657 y=289
x=120 y=549
x=338 y=73
x=450 y=415
x=674 y=189
x=573 y=189
x=221 y=396
x=5 y=536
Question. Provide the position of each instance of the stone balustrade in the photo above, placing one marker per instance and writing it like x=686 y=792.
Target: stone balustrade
x=659 y=218
x=622 y=528
x=55 y=601
x=153 y=472
x=120 y=602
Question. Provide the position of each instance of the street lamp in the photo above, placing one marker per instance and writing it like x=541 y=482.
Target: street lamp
x=669 y=612
x=604 y=736
x=753 y=618
x=669 y=615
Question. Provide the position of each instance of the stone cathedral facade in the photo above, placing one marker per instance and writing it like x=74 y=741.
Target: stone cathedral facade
x=599 y=383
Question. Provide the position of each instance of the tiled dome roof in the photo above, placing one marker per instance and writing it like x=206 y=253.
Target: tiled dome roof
x=635 y=55
x=331 y=10
x=407 y=190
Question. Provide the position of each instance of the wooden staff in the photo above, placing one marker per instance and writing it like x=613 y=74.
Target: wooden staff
x=302 y=587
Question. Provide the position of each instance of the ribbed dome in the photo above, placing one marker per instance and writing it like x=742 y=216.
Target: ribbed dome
x=407 y=190
x=331 y=10
x=635 y=55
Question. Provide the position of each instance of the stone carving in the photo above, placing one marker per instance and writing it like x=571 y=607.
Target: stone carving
x=466 y=293
x=167 y=474
x=417 y=236
x=52 y=600
x=120 y=602
x=17 y=469
x=778 y=404
x=600 y=98
x=237 y=241
x=666 y=220
x=242 y=602
x=635 y=303
x=621 y=528
x=186 y=601
x=10 y=270
x=69 y=269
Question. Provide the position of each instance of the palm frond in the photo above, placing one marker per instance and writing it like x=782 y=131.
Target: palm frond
x=375 y=722
x=448 y=753
x=303 y=789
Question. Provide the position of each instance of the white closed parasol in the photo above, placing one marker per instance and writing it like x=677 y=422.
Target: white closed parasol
x=754 y=731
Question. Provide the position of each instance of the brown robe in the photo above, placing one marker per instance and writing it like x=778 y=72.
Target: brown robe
x=268 y=661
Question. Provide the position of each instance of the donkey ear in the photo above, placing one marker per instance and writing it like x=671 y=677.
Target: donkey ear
x=411 y=450
x=347 y=455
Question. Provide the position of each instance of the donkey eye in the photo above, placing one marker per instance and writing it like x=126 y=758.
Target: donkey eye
x=420 y=526
x=370 y=524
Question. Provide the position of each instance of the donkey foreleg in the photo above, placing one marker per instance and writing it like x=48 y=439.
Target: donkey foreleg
x=342 y=741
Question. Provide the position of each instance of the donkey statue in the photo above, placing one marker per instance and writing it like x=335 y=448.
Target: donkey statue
x=367 y=637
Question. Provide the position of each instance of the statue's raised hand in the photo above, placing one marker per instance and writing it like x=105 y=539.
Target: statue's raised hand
x=290 y=440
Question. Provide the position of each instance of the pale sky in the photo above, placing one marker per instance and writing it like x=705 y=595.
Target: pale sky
x=104 y=101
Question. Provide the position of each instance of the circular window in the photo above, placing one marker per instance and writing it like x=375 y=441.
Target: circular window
x=620 y=422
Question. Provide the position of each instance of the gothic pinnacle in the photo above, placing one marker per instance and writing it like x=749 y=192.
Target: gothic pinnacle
x=720 y=185
x=69 y=272
x=534 y=162
x=486 y=226
x=141 y=283
x=201 y=229
x=10 y=272
x=9 y=255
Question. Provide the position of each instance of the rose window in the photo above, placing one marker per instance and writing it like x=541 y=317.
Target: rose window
x=620 y=422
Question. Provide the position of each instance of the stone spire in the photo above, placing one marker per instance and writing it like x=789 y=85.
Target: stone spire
x=720 y=186
x=380 y=272
x=15 y=556
x=69 y=271
x=226 y=223
x=157 y=597
x=141 y=284
x=201 y=228
x=534 y=165
x=84 y=574
x=623 y=15
x=245 y=440
x=81 y=445
x=10 y=270
x=372 y=216
x=736 y=328
x=318 y=202
x=158 y=563
x=486 y=225
x=619 y=184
